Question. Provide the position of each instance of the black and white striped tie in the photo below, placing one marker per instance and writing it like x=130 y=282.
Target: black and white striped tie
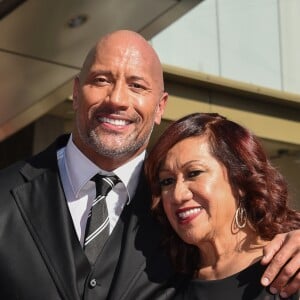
x=97 y=228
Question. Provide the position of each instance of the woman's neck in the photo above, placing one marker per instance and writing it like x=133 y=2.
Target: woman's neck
x=224 y=257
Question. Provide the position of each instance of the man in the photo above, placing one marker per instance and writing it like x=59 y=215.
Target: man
x=45 y=201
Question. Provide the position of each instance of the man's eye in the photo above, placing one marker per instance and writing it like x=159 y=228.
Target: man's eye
x=137 y=86
x=100 y=80
x=166 y=181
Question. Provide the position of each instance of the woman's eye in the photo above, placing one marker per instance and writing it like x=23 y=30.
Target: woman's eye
x=166 y=181
x=194 y=173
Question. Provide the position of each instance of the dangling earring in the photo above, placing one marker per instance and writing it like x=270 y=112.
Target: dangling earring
x=240 y=216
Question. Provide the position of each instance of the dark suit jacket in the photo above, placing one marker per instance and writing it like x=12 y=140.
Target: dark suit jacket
x=41 y=257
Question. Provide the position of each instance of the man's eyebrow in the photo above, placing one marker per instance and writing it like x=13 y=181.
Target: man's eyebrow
x=100 y=72
x=139 y=78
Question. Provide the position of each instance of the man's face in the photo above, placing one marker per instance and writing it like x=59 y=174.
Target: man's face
x=117 y=100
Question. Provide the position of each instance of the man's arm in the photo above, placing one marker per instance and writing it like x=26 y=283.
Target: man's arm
x=283 y=272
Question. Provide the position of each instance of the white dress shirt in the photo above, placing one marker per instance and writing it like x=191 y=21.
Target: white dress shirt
x=76 y=170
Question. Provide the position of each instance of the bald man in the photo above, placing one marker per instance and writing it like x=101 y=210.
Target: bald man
x=46 y=201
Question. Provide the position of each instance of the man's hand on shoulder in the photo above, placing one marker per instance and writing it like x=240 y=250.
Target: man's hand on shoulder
x=283 y=256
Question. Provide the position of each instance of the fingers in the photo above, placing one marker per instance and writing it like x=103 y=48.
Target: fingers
x=283 y=273
x=292 y=287
x=272 y=248
x=288 y=280
x=275 y=269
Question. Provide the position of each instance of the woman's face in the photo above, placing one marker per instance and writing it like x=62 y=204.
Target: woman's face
x=196 y=195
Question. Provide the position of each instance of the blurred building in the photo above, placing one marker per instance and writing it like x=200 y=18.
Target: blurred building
x=236 y=57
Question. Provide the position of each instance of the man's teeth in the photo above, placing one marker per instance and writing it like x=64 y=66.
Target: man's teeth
x=187 y=213
x=114 y=121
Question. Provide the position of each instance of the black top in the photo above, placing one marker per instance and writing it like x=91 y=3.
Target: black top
x=244 y=285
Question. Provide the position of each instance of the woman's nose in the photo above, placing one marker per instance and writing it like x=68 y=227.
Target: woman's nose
x=182 y=192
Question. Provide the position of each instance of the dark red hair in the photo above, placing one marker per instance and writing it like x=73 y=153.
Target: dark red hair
x=248 y=168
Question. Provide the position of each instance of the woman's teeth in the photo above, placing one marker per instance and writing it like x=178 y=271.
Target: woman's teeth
x=187 y=213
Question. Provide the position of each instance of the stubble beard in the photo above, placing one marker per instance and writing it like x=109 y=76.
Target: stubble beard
x=122 y=146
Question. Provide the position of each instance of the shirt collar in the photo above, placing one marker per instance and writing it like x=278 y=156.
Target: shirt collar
x=80 y=170
x=130 y=172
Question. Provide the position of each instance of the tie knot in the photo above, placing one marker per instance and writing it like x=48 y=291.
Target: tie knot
x=104 y=184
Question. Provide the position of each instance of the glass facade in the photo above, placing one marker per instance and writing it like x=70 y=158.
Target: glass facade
x=252 y=41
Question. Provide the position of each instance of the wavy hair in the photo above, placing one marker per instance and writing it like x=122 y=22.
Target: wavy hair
x=248 y=168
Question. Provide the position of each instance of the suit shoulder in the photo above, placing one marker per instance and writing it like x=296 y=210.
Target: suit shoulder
x=24 y=170
x=11 y=173
x=10 y=177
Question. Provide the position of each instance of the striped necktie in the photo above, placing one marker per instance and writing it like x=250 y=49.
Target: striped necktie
x=97 y=228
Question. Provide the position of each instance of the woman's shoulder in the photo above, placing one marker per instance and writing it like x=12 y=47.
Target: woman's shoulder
x=243 y=285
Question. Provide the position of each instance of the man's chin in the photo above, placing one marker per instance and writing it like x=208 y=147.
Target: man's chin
x=113 y=151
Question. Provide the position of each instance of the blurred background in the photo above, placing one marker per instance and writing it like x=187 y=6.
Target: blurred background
x=239 y=58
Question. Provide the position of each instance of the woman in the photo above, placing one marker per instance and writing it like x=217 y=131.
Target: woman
x=220 y=202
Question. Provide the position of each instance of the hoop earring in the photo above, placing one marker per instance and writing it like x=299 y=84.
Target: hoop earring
x=240 y=217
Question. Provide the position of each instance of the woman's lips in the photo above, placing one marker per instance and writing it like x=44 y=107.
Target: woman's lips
x=185 y=215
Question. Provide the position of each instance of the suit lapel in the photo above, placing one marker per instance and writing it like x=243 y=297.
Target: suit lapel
x=139 y=244
x=131 y=262
x=43 y=206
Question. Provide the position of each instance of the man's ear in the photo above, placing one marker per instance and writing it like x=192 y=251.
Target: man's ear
x=161 y=107
x=76 y=86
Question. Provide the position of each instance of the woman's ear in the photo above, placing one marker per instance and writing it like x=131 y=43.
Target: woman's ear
x=241 y=193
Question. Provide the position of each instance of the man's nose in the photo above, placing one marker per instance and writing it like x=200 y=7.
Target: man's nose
x=118 y=95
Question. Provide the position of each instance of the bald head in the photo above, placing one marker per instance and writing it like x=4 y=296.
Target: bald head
x=122 y=43
x=118 y=99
